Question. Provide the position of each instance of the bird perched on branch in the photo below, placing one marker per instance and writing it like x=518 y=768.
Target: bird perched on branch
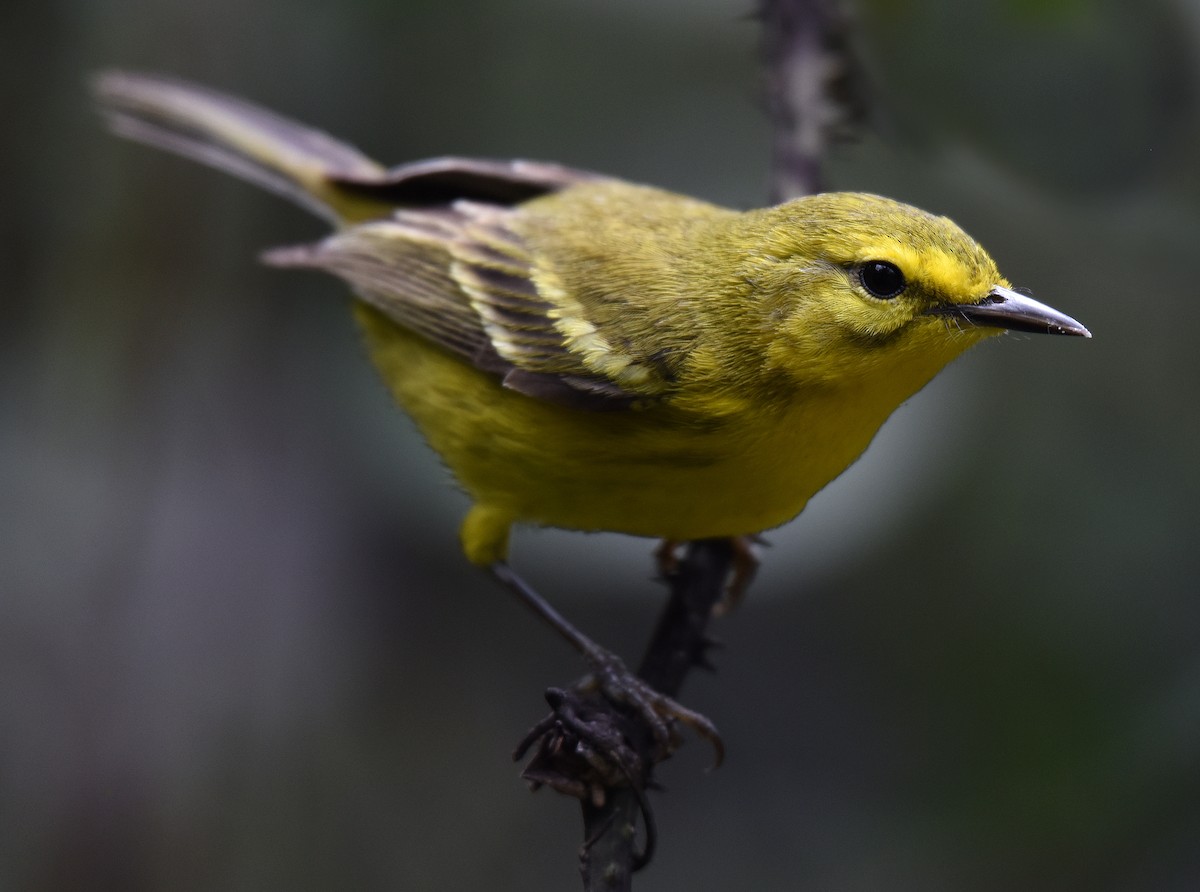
x=587 y=353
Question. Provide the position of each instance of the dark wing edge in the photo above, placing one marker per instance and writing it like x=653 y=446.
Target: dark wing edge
x=438 y=182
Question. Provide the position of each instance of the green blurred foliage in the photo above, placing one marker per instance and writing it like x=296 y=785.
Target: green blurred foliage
x=239 y=648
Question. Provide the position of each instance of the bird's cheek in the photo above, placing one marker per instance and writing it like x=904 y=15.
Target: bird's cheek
x=807 y=347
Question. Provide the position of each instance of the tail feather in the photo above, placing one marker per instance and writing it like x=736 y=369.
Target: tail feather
x=294 y=161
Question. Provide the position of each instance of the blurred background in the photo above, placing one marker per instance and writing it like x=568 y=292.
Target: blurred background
x=239 y=648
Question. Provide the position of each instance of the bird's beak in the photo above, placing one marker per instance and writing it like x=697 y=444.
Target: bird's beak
x=1004 y=308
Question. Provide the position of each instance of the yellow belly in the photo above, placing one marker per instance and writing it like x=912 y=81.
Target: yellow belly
x=640 y=472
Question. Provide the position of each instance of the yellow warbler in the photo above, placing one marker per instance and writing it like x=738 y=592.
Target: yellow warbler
x=587 y=353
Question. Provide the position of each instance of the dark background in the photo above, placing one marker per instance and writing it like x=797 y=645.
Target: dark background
x=240 y=650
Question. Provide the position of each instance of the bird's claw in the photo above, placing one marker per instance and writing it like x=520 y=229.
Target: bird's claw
x=612 y=680
x=582 y=751
x=744 y=568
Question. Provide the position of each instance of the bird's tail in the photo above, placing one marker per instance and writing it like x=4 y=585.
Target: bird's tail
x=297 y=162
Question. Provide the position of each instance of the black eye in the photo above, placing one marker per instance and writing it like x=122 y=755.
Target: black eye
x=881 y=279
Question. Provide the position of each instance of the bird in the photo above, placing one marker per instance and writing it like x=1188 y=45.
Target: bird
x=593 y=354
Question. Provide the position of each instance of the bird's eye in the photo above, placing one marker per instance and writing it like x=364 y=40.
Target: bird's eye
x=881 y=279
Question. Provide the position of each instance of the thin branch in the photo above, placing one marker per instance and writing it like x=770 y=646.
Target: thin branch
x=815 y=88
x=680 y=642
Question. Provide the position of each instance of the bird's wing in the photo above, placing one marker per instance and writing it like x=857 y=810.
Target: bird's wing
x=459 y=275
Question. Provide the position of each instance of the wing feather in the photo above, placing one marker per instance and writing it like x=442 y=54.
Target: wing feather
x=461 y=277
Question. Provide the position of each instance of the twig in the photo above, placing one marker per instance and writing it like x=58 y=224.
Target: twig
x=680 y=642
x=814 y=85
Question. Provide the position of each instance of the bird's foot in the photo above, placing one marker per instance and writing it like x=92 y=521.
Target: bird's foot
x=660 y=714
x=613 y=682
x=609 y=730
x=583 y=750
x=745 y=567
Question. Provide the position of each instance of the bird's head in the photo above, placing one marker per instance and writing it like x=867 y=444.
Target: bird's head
x=858 y=285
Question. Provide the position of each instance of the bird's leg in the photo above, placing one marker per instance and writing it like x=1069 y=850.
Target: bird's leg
x=612 y=679
x=666 y=558
x=745 y=568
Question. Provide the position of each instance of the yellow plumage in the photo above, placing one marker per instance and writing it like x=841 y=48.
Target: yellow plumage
x=591 y=354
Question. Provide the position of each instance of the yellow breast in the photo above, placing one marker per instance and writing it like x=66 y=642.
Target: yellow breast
x=649 y=473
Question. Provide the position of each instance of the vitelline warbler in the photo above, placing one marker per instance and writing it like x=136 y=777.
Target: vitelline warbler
x=587 y=353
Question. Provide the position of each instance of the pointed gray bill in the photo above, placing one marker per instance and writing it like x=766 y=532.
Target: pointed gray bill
x=1004 y=308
